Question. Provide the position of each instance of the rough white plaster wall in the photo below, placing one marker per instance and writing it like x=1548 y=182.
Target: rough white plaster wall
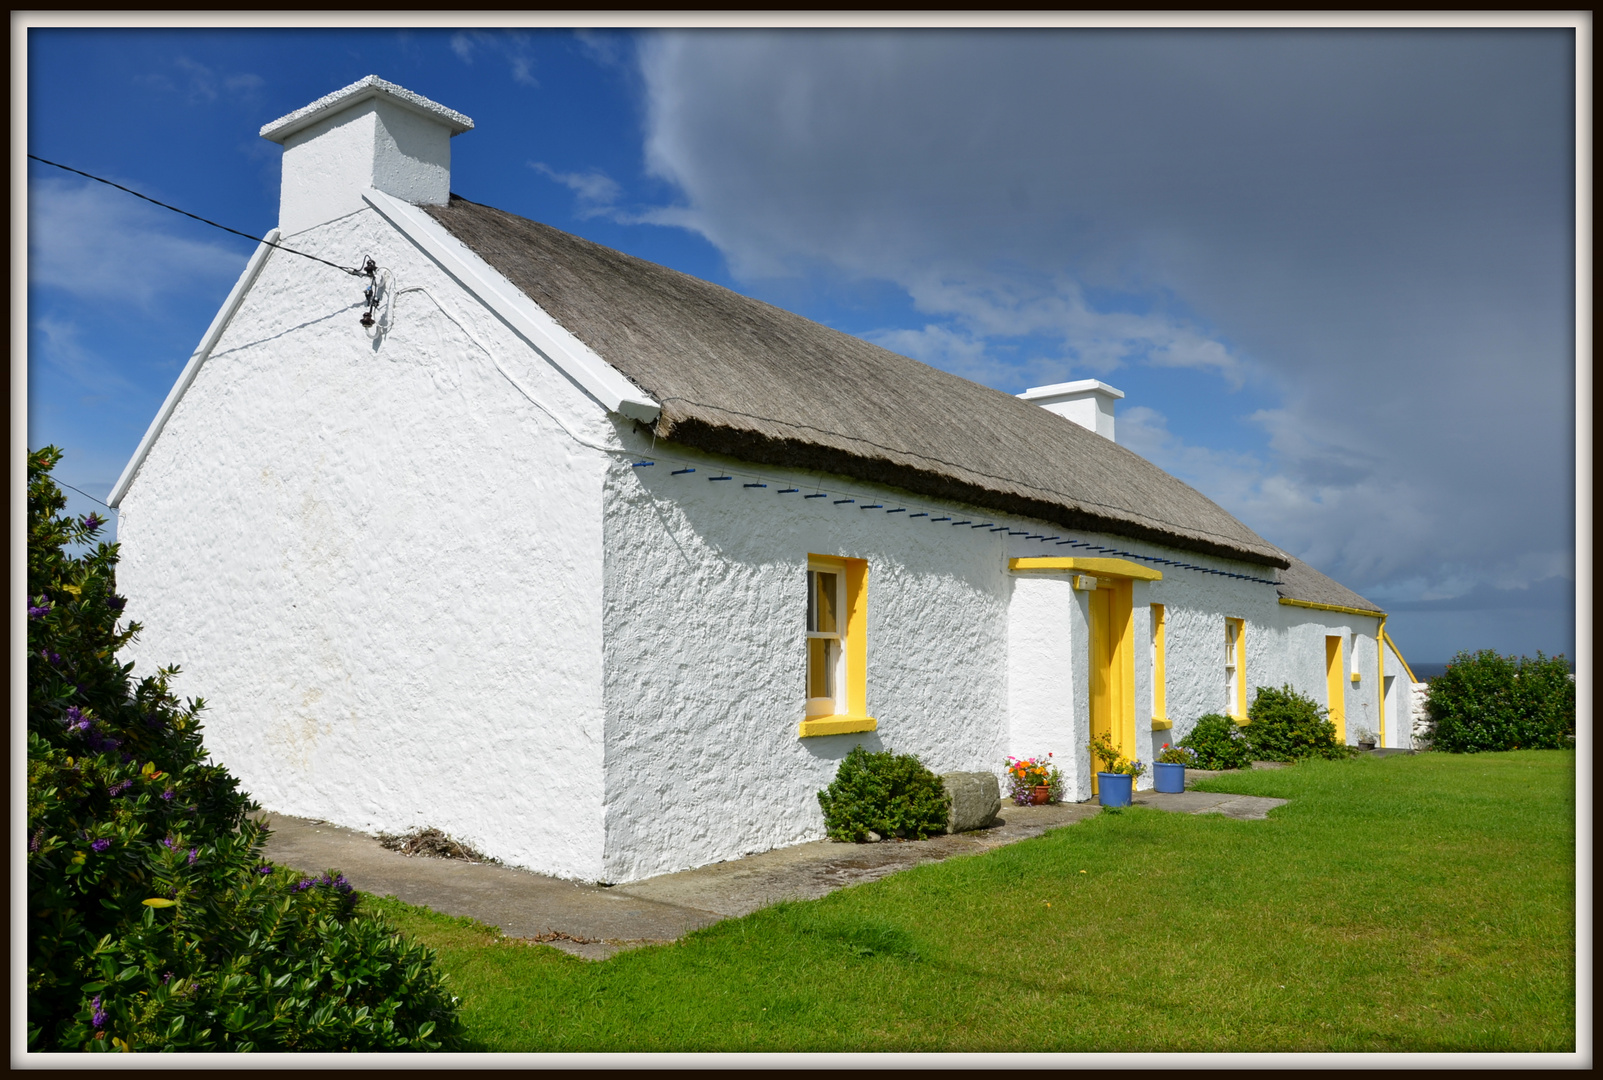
x=705 y=631
x=380 y=564
x=328 y=165
x=1048 y=709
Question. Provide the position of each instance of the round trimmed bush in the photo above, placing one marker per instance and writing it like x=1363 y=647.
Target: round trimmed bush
x=1218 y=743
x=890 y=794
x=1288 y=726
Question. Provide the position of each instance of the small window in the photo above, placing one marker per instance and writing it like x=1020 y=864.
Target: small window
x=836 y=674
x=1160 y=704
x=825 y=641
x=1236 y=668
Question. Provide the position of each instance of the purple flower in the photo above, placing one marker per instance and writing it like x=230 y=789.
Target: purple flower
x=40 y=611
x=101 y=845
x=119 y=787
x=99 y=743
x=76 y=720
x=38 y=837
x=167 y=795
x=301 y=885
x=117 y=603
x=167 y=842
x=93 y=522
x=193 y=855
x=97 y=1015
x=264 y=869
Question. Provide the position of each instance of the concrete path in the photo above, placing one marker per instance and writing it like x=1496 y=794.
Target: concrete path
x=595 y=921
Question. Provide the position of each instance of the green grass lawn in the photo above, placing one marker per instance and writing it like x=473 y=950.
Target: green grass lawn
x=1404 y=903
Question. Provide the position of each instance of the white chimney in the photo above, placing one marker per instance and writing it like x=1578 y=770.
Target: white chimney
x=1088 y=402
x=370 y=134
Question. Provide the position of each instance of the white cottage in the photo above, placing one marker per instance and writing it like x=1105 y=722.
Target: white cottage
x=603 y=568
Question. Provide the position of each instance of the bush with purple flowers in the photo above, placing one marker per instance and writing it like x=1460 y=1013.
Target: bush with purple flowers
x=151 y=924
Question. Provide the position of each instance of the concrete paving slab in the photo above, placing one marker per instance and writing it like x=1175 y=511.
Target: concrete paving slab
x=595 y=921
x=589 y=919
x=808 y=871
x=1242 y=807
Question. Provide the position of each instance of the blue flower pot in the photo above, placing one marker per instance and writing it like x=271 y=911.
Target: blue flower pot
x=1114 y=789
x=1169 y=778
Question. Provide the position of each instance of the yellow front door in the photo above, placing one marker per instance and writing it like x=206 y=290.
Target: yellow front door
x=1112 y=664
x=1335 y=693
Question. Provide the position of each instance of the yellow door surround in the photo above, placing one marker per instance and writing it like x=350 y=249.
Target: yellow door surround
x=1110 y=568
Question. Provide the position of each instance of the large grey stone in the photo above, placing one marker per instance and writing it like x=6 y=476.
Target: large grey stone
x=976 y=800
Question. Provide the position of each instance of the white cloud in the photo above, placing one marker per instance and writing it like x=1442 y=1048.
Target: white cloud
x=203 y=84
x=62 y=346
x=597 y=192
x=103 y=246
x=513 y=47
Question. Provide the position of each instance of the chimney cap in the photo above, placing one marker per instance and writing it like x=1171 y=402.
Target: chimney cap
x=1096 y=386
x=359 y=91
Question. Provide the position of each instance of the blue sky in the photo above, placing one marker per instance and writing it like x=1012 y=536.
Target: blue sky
x=1332 y=270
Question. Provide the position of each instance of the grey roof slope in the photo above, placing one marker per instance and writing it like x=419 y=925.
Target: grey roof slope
x=740 y=377
x=1300 y=581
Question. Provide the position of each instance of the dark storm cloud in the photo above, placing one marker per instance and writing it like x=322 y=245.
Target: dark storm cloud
x=1376 y=227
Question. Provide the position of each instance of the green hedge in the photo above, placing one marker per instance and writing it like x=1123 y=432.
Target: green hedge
x=152 y=921
x=1485 y=701
x=890 y=794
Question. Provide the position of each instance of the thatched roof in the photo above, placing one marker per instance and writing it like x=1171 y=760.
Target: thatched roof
x=1300 y=581
x=740 y=377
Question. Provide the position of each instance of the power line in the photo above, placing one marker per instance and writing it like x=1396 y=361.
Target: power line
x=353 y=271
x=88 y=496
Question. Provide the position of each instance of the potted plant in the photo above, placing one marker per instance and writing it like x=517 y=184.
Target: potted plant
x=1033 y=781
x=1116 y=781
x=1366 y=739
x=1169 y=771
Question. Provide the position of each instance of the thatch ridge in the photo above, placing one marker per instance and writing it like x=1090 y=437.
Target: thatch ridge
x=740 y=377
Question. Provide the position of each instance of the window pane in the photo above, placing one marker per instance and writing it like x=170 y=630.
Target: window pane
x=821 y=653
x=825 y=602
x=812 y=601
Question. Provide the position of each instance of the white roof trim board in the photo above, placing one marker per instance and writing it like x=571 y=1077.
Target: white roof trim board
x=207 y=342
x=549 y=338
x=370 y=87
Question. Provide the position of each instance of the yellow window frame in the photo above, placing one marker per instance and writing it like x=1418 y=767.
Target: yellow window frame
x=853 y=683
x=1239 y=691
x=1160 y=690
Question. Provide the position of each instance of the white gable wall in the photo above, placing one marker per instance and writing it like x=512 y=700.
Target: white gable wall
x=380 y=563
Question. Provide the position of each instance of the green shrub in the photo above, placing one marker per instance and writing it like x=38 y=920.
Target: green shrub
x=1218 y=743
x=890 y=794
x=152 y=921
x=1484 y=701
x=1288 y=726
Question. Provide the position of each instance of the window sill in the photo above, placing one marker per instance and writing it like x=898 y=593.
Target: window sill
x=836 y=725
x=1159 y=724
x=1241 y=721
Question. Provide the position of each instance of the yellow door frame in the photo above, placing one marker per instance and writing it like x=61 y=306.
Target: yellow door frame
x=1335 y=690
x=1111 y=663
